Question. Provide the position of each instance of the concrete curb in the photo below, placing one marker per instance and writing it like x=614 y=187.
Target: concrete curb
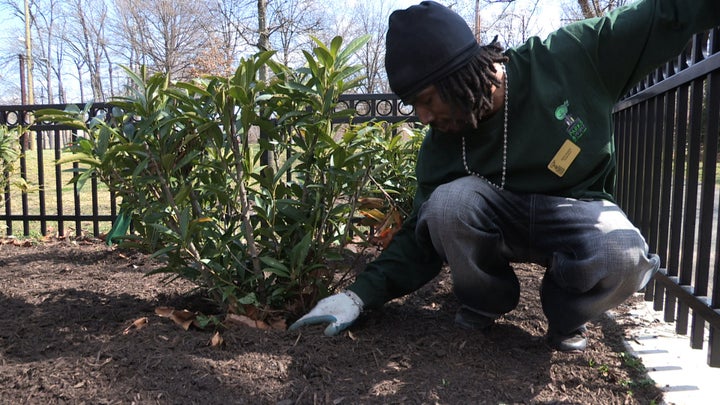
x=680 y=371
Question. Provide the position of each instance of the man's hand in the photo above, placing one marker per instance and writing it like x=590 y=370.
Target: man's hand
x=341 y=310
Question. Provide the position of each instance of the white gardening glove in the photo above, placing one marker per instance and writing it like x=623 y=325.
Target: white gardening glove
x=341 y=310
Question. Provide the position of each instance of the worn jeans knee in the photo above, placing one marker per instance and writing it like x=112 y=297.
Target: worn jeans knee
x=594 y=255
x=447 y=209
x=458 y=222
x=596 y=268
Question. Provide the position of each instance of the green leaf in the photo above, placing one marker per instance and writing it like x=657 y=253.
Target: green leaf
x=264 y=57
x=335 y=44
x=183 y=193
x=248 y=299
x=300 y=252
x=285 y=167
x=324 y=56
x=275 y=266
x=312 y=64
x=353 y=47
x=193 y=89
x=79 y=158
x=184 y=221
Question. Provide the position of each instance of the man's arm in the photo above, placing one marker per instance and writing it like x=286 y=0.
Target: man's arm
x=630 y=42
x=401 y=269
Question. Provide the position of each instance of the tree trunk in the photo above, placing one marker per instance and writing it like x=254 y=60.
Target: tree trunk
x=29 y=56
x=263 y=34
x=110 y=72
x=80 y=82
x=586 y=8
x=62 y=97
x=478 y=21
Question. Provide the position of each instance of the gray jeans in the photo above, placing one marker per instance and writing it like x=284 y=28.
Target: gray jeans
x=594 y=257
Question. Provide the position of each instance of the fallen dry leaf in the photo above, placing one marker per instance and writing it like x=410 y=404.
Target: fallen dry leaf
x=246 y=321
x=370 y=202
x=216 y=340
x=279 y=324
x=136 y=325
x=164 y=311
x=240 y=320
x=243 y=320
x=183 y=317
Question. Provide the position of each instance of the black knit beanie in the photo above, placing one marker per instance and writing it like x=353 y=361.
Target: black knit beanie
x=425 y=43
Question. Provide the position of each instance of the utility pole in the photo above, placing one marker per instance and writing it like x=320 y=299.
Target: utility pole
x=25 y=138
x=478 y=22
x=28 y=55
x=22 y=78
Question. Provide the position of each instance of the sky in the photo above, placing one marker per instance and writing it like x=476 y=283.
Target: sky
x=548 y=12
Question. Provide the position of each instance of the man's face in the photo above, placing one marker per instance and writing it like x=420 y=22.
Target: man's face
x=432 y=110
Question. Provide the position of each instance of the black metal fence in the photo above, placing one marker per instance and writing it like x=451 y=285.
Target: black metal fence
x=44 y=142
x=67 y=208
x=667 y=133
x=667 y=142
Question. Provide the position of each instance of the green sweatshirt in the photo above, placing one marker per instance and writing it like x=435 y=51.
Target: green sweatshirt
x=560 y=89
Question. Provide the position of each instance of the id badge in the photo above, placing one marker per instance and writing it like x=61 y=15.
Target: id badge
x=564 y=158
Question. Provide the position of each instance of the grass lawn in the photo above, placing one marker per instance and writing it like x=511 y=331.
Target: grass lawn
x=50 y=188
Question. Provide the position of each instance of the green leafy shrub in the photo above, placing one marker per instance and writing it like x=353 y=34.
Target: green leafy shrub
x=184 y=161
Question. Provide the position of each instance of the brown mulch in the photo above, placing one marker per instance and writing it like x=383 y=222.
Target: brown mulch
x=66 y=336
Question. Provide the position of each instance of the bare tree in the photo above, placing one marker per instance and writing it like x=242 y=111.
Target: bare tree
x=291 y=24
x=87 y=20
x=57 y=67
x=23 y=11
x=229 y=28
x=513 y=22
x=46 y=17
x=167 y=36
x=212 y=59
x=10 y=91
x=79 y=64
x=515 y=27
x=580 y=9
x=282 y=25
x=240 y=23
x=370 y=18
x=187 y=38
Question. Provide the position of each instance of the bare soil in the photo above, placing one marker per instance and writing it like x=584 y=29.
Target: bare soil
x=67 y=336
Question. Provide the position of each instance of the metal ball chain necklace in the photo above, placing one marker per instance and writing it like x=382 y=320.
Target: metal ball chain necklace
x=505 y=143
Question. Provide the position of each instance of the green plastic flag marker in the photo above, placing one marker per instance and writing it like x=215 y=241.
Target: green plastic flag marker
x=119 y=228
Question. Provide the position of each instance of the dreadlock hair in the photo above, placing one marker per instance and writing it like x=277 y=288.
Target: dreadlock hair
x=461 y=87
